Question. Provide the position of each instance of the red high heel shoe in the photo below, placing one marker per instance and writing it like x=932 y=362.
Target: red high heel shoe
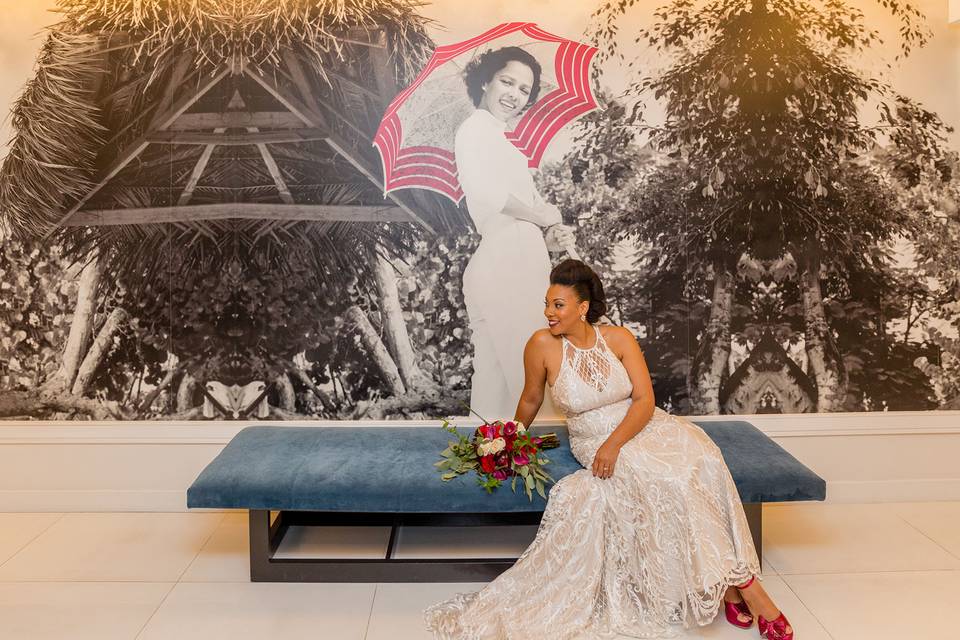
x=775 y=629
x=734 y=609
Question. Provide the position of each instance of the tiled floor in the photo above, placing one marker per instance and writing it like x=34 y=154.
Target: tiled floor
x=846 y=572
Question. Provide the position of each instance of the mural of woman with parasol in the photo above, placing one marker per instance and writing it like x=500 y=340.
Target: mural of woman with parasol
x=511 y=263
x=478 y=142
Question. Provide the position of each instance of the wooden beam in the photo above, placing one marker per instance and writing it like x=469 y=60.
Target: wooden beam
x=197 y=172
x=236 y=119
x=311 y=119
x=136 y=147
x=240 y=210
x=362 y=37
x=253 y=137
x=299 y=77
x=384 y=72
x=176 y=83
x=305 y=112
x=274 y=170
x=355 y=85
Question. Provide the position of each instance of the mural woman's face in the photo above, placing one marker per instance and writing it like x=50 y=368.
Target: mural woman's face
x=508 y=91
x=563 y=309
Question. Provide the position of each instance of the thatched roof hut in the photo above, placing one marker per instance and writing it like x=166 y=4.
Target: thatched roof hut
x=158 y=126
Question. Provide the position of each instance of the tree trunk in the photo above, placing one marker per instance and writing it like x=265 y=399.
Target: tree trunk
x=395 y=329
x=709 y=367
x=97 y=352
x=447 y=403
x=37 y=403
x=288 y=397
x=188 y=385
x=81 y=328
x=324 y=398
x=823 y=356
x=152 y=396
x=376 y=350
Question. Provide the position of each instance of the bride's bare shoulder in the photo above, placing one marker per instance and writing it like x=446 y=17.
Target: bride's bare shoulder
x=543 y=340
x=617 y=336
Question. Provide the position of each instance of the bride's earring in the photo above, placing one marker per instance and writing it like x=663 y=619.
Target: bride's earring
x=583 y=318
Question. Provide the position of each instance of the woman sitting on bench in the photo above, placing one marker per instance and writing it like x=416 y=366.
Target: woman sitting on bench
x=646 y=541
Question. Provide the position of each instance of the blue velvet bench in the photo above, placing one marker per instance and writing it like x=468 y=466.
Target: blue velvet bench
x=384 y=477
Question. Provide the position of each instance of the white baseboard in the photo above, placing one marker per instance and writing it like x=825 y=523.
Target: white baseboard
x=147 y=466
x=91 y=500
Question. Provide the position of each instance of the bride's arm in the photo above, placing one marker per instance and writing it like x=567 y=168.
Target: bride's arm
x=625 y=347
x=535 y=377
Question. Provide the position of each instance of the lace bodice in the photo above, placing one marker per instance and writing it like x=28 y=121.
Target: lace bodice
x=591 y=382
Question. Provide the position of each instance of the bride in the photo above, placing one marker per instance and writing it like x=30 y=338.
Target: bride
x=646 y=541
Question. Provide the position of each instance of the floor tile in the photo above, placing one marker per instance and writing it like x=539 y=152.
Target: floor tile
x=228 y=611
x=113 y=547
x=77 y=610
x=18 y=529
x=226 y=555
x=940 y=521
x=882 y=606
x=848 y=538
x=398 y=608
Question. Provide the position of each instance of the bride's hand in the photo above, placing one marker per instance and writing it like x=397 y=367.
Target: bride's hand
x=605 y=460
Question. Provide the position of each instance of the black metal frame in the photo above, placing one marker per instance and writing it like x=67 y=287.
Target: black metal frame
x=265 y=538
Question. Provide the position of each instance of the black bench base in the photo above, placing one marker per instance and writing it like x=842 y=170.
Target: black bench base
x=266 y=535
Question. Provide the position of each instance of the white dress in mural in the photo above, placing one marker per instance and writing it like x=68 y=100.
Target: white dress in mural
x=506 y=278
x=646 y=553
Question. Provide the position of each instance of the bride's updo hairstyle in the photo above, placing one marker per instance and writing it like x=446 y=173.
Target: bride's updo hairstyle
x=585 y=282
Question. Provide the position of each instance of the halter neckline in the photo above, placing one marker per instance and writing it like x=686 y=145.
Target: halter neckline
x=596 y=343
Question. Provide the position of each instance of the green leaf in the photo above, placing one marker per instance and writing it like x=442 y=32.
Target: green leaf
x=540 y=490
x=530 y=482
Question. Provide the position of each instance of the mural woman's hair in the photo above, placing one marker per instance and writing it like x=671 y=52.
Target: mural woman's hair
x=481 y=70
x=585 y=282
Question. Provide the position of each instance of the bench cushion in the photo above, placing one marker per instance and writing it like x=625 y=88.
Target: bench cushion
x=390 y=470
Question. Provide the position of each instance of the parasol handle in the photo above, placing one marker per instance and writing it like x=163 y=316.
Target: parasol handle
x=571 y=249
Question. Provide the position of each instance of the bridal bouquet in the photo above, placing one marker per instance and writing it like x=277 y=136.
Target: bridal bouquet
x=498 y=451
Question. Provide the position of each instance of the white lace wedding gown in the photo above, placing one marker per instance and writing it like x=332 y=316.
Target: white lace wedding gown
x=645 y=553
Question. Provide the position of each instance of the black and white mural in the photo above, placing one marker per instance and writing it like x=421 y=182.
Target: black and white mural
x=194 y=222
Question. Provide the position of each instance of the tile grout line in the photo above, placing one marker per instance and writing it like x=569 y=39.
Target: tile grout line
x=33 y=539
x=807 y=607
x=949 y=553
x=143 y=627
x=373 y=600
x=202 y=546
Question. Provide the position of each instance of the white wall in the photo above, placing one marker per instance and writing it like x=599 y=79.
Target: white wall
x=865 y=457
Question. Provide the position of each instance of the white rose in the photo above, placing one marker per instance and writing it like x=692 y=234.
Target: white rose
x=498 y=445
x=520 y=427
x=484 y=448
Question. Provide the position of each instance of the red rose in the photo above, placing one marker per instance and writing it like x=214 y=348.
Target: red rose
x=487 y=464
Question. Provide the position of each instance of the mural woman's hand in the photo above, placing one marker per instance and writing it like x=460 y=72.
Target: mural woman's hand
x=559 y=237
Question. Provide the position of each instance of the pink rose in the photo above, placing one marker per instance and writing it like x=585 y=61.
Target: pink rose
x=521 y=459
x=510 y=428
x=500 y=474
